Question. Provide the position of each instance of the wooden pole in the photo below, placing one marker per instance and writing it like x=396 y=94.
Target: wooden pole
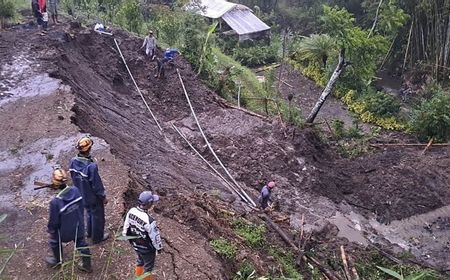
x=428 y=145
x=345 y=263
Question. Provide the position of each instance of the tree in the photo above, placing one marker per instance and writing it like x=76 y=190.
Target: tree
x=329 y=88
x=130 y=15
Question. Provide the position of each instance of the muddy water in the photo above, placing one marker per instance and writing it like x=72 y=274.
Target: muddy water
x=19 y=79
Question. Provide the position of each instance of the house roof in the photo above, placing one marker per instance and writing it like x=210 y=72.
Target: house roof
x=243 y=21
x=239 y=17
x=211 y=8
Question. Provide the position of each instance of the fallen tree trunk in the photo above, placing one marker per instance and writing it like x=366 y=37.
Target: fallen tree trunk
x=329 y=88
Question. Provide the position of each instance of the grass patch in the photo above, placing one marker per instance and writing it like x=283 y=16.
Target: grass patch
x=246 y=271
x=287 y=262
x=254 y=235
x=223 y=248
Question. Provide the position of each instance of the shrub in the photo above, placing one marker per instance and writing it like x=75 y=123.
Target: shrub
x=259 y=54
x=381 y=104
x=224 y=248
x=130 y=15
x=6 y=11
x=432 y=118
x=287 y=262
x=246 y=271
x=253 y=235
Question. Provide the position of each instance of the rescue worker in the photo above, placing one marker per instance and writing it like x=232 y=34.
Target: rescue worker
x=169 y=55
x=150 y=45
x=266 y=191
x=66 y=221
x=85 y=177
x=138 y=223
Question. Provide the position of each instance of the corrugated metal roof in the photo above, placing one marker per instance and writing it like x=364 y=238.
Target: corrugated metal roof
x=243 y=21
x=211 y=8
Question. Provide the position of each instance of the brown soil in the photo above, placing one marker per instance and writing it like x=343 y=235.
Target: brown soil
x=393 y=183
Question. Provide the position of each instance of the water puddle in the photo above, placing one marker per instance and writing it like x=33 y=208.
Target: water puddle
x=18 y=79
x=39 y=158
x=349 y=227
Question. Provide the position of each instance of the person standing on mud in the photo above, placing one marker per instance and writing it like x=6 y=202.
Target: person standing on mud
x=169 y=56
x=150 y=45
x=66 y=222
x=266 y=192
x=147 y=240
x=85 y=177
x=36 y=11
x=53 y=9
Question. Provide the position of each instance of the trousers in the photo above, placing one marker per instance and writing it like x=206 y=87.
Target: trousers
x=95 y=221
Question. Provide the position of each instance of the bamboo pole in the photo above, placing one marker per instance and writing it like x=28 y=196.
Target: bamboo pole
x=407 y=45
x=345 y=263
x=428 y=145
x=248 y=198
x=135 y=84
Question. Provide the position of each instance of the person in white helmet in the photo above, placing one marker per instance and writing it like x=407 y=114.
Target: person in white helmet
x=147 y=241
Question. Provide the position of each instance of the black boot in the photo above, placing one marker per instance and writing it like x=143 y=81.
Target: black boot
x=55 y=259
x=85 y=264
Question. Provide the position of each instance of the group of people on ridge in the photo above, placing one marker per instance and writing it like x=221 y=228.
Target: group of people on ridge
x=41 y=11
x=150 y=50
x=67 y=222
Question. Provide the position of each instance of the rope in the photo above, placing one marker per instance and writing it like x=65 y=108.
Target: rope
x=247 y=198
x=228 y=185
x=137 y=88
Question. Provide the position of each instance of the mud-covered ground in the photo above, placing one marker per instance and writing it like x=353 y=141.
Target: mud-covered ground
x=388 y=185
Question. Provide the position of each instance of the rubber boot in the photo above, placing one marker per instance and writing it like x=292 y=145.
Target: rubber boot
x=85 y=264
x=138 y=270
x=150 y=277
x=55 y=259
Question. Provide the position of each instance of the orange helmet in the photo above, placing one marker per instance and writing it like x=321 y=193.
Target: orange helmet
x=59 y=177
x=85 y=143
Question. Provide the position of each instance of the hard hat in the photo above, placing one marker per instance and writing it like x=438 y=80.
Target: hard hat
x=85 y=143
x=59 y=177
x=271 y=184
x=150 y=32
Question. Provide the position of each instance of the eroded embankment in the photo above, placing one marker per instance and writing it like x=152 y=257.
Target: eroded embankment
x=255 y=150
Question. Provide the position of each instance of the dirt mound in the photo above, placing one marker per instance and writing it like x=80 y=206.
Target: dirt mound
x=254 y=149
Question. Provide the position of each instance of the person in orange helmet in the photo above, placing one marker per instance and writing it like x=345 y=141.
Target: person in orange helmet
x=86 y=178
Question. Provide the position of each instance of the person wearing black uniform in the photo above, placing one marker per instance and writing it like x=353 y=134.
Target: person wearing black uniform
x=66 y=222
x=147 y=241
x=85 y=177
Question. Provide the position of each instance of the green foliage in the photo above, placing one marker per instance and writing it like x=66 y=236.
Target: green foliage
x=341 y=132
x=419 y=275
x=258 y=54
x=286 y=261
x=130 y=15
x=432 y=118
x=316 y=49
x=381 y=104
x=7 y=11
x=224 y=248
x=392 y=18
x=254 y=235
x=246 y=271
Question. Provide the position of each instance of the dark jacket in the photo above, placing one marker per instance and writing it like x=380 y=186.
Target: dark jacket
x=66 y=215
x=85 y=176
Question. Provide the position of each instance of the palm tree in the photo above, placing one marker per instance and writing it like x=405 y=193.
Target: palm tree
x=316 y=47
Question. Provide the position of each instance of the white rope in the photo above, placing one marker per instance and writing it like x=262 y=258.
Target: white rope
x=135 y=84
x=228 y=185
x=248 y=199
